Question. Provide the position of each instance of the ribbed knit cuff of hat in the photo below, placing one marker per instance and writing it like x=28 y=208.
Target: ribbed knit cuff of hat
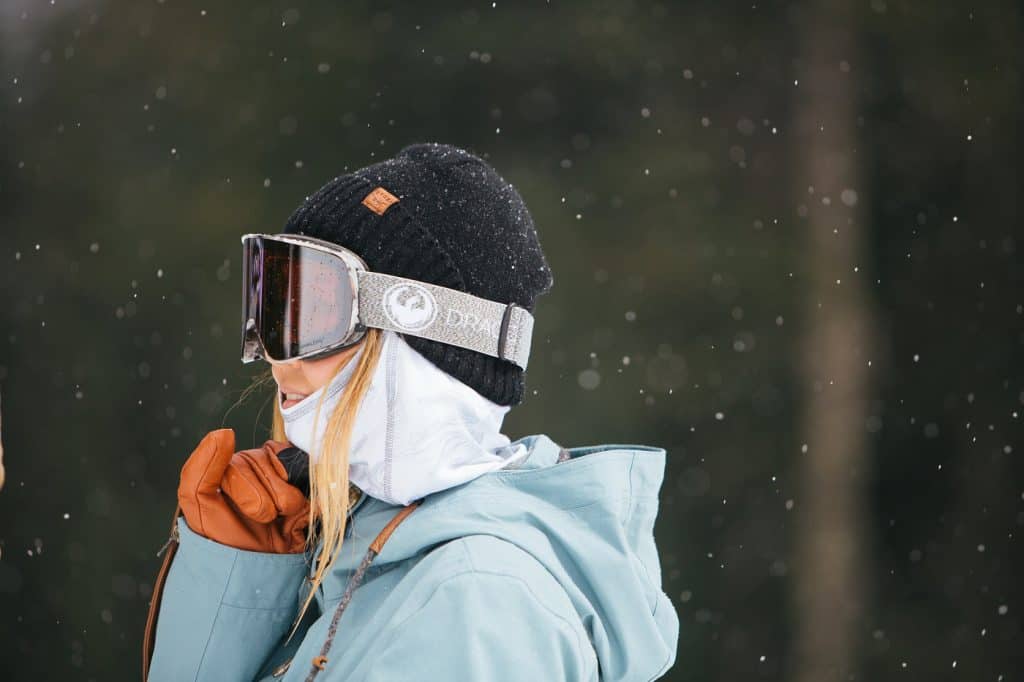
x=395 y=243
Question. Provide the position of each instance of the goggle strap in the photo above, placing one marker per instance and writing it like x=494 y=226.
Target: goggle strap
x=447 y=315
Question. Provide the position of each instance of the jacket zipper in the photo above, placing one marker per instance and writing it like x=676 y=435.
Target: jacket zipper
x=173 y=538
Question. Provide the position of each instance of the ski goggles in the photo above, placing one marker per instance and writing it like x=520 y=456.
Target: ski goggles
x=304 y=297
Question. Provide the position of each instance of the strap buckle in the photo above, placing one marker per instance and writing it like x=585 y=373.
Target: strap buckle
x=503 y=333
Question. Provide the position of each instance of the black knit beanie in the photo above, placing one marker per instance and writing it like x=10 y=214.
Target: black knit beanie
x=439 y=214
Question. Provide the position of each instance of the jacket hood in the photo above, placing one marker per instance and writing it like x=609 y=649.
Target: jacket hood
x=588 y=520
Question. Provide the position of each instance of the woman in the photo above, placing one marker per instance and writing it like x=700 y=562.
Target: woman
x=389 y=530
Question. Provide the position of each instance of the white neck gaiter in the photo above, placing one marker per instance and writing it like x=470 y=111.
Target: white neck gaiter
x=418 y=429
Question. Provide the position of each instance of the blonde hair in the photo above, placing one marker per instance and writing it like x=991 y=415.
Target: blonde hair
x=329 y=486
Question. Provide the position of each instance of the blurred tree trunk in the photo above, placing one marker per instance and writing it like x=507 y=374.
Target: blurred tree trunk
x=2 y=475
x=830 y=574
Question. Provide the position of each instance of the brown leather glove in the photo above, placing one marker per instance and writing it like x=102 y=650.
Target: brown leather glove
x=243 y=499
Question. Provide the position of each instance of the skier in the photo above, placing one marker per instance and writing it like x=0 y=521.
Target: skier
x=389 y=530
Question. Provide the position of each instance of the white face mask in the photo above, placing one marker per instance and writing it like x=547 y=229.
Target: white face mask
x=418 y=429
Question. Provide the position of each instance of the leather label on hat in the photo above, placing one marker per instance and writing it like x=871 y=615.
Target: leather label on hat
x=378 y=200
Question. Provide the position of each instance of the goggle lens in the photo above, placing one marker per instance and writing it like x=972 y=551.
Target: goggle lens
x=296 y=299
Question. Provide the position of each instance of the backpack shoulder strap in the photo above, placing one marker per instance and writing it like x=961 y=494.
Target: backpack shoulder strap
x=149 y=638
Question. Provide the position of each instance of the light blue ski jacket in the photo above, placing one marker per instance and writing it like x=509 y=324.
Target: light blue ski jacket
x=548 y=571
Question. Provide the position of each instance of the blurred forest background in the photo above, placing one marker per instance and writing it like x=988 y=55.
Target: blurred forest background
x=786 y=247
